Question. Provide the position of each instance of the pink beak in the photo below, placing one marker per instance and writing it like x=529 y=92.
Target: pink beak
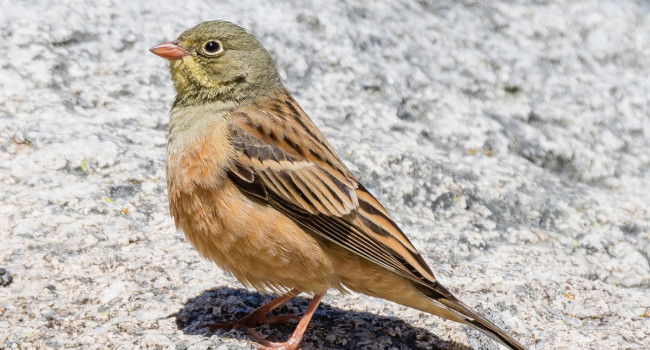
x=169 y=50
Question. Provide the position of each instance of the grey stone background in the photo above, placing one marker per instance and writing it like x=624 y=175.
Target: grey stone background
x=508 y=138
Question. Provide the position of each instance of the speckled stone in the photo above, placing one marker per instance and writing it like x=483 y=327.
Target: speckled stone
x=509 y=139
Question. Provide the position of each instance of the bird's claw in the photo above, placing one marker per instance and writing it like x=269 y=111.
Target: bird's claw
x=291 y=344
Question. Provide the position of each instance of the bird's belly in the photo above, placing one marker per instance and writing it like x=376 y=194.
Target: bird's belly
x=260 y=246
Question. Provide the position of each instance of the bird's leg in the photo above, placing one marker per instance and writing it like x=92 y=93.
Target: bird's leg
x=259 y=315
x=294 y=342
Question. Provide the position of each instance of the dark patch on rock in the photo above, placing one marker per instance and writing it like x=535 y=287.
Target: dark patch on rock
x=443 y=201
x=5 y=277
x=631 y=229
x=512 y=89
x=76 y=37
x=124 y=191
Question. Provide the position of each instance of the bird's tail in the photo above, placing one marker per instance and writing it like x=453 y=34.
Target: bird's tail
x=461 y=313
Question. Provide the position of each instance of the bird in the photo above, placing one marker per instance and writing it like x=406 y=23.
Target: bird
x=256 y=188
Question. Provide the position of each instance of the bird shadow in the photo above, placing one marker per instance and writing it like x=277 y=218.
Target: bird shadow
x=330 y=328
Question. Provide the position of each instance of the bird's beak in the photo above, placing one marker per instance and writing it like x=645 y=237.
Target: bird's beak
x=169 y=50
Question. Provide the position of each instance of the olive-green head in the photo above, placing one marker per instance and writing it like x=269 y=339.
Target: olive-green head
x=218 y=61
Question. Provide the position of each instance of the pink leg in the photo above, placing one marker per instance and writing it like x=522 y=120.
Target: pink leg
x=294 y=342
x=259 y=315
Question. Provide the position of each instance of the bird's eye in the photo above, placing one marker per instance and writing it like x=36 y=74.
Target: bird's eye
x=212 y=47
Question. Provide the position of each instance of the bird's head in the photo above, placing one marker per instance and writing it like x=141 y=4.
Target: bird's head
x=218 y=61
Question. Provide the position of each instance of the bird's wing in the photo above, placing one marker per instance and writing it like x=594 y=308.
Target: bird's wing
x=284 y=160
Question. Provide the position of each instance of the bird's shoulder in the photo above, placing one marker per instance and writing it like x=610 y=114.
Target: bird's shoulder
x=279 y=146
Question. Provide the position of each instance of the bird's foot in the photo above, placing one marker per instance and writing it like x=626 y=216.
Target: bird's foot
x=292 y=344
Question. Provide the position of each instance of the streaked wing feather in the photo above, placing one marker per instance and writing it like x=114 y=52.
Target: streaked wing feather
x=291 y=167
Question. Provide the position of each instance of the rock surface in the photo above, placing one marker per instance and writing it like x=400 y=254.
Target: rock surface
x=509 y=139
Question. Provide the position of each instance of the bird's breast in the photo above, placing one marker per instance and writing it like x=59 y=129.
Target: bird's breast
x=198 y=149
